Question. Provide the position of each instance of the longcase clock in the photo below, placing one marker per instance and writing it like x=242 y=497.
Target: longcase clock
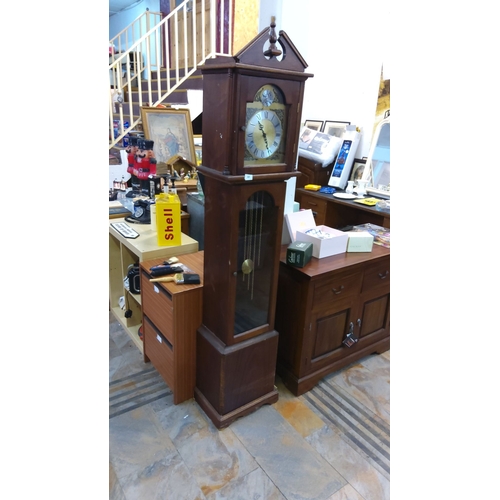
x=251 y=123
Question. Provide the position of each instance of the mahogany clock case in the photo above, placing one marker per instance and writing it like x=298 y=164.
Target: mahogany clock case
x=244 y=173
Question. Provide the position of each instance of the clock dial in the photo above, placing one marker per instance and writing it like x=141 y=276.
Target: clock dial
x=264 y=134
x=265 y=128
x=267 y=97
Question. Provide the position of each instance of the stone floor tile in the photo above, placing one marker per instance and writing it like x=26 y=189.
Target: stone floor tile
x=166 y=479
x=346 y=493
x=292 y=465
x=353 y=467
x=299 y=416
x=370 y=390
x=215 y=458
x=255 y=484
x=137 y=440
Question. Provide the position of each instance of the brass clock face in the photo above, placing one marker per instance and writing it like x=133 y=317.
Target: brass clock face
x=264 y=134
x=265 y=128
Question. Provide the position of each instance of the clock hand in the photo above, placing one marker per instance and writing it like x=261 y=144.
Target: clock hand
x=261 y=128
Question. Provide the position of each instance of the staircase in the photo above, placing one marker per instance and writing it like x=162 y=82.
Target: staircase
x=157 y=58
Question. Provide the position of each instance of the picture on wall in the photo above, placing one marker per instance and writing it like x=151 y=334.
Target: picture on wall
x=336 y=129
x=172 y=133
x=314 y=124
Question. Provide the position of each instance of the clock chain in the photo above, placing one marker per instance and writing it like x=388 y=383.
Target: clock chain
x=252 y=246
x=245 y=245
x=261 y=218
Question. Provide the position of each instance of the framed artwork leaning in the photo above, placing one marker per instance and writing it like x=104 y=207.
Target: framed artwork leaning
x=172 y=133
x=336 y=129
x=314 y=125
x=358 y=168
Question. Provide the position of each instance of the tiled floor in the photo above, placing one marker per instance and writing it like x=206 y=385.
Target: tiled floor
x=330 y=443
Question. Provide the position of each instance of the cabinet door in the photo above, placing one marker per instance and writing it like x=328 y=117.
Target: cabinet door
x=374 y=319
x=327 y=331
x=374 y=315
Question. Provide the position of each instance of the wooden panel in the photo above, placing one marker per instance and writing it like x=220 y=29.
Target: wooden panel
x=160 y=352
x=375 y=315
x=330 y=331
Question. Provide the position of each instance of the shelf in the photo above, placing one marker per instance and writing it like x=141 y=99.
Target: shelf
x=133 y=331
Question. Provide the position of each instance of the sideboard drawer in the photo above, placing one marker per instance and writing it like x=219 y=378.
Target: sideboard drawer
x=157 y=306
x=340 y=285
x=159 y=350
x=317 y=206
x=377 y=275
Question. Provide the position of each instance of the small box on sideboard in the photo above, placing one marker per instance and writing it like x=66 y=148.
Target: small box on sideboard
x=359 y=241
x=299 y=253
x=326 y=241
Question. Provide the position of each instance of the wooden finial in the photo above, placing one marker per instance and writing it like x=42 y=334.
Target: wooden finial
x=272 y=51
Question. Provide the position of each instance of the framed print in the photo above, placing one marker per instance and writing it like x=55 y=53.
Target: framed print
x=358 y=169
x=314 y=124
x=336 y=129
x=172 y=133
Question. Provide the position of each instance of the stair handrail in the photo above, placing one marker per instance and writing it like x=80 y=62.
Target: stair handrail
x=121 y=40
x=149 y=52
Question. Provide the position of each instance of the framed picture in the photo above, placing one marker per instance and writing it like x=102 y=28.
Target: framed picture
x=336 y=129
x=172 y=133
x=358 y=168
x=314 y=124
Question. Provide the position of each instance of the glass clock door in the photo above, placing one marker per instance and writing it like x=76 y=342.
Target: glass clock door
x=256 y=245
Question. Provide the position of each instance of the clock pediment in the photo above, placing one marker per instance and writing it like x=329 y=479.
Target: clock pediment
x=253 y=53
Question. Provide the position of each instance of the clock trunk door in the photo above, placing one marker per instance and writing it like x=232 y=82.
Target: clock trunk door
x=257 y=226
x=243 y=227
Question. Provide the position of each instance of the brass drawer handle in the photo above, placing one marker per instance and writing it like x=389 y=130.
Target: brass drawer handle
x=336 y=292
x=383 y=276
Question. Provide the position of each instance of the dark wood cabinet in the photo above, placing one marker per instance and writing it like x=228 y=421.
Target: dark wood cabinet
x=320 y=304
x=312 y=172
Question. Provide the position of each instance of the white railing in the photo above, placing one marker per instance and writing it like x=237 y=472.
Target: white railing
x=155 y=56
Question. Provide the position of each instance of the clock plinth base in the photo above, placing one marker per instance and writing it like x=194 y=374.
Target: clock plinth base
x=233 y=381
x=221 y=421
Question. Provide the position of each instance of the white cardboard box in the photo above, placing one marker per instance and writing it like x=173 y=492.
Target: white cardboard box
x=359 y=241
x=300 y=222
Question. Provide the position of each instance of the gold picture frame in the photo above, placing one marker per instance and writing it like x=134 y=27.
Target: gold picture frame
x=171 y=131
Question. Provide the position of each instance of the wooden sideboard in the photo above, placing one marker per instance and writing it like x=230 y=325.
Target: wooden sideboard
x=171 y=314
x=338 y=213
x=319 y=304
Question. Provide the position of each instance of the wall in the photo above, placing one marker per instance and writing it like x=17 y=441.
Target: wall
x=121 y=20
x=344 y=45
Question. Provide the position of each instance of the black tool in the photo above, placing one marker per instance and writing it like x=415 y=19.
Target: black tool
x=163 y=270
